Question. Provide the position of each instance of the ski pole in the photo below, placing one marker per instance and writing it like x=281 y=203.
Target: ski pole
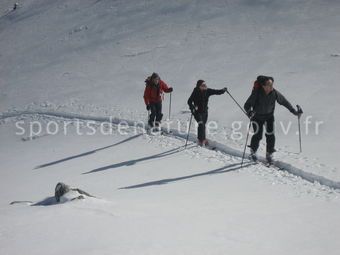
x=245 y=146
x=249 y=126
x=186 y=142
x=148 y=117
x=237 y=103
x=170 y=106
x=299 y=116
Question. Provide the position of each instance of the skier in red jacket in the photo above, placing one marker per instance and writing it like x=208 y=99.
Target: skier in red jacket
x=153 y=98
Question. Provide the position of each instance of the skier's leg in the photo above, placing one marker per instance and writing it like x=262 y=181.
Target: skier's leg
x=258 y=132
x=270 y=135
x=152 y=114
x=200 y=128
x=204 y=121
x=159 y=114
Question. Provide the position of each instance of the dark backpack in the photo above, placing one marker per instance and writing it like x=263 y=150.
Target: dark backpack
x=147 y=80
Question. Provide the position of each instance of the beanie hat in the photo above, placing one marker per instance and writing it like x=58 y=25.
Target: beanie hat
x=261 y=79
x=199 y=83
x=155 y=76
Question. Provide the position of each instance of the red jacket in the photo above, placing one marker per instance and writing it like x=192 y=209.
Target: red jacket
x=153 y=93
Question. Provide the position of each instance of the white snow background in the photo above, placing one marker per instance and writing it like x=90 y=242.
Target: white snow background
x=88 y=59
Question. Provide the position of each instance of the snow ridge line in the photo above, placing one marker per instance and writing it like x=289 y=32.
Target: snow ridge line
x=219 y=146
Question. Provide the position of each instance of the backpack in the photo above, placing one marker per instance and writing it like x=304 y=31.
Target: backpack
x=147 y=80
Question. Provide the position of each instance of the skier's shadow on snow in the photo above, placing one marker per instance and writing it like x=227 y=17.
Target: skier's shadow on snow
x=87 y=153
x=134 y=161
x=221 y=170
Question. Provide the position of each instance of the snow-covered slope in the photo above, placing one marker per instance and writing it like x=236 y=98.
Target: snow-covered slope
x=100 y=52
x=88 y=59
x=154 y=197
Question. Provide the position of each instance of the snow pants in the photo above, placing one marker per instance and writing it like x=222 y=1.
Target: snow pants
x=201 y=118
x=258 y=124
x=156 y=113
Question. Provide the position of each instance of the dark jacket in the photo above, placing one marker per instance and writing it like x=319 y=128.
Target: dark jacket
x=263 y=104
x=199 y=99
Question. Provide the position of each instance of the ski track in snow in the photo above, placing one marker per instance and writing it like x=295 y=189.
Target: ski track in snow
x=222 y=150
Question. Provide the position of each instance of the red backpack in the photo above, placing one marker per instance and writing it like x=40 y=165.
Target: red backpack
x=256 y=84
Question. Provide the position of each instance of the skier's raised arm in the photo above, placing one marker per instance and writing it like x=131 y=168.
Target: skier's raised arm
x=283 y=101
x=165 y=87
x=211 y=92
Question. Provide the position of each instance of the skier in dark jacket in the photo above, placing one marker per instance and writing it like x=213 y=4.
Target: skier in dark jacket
x=260 y=108
x=198 y=104
x=153 y=98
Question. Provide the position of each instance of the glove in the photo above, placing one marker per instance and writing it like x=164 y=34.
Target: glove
x=148 y=107
x=193 y=110
x=251 y=114
x=225 y=89
x=295 y=112
x=170 y=89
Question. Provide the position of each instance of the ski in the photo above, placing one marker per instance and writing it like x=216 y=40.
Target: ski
x=269 y=164
x=157 y=131
x=152 y=131
x=208 y=145
x=253 y=158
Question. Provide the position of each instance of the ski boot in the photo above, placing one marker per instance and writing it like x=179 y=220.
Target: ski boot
x=151 y=124
x=253 y=155
x=158 y=127
x=269 y=158
x=202 y=143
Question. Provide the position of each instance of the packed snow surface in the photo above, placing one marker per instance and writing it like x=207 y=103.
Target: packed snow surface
x=84 y=61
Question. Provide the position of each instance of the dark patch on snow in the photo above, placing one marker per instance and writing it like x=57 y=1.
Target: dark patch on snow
x=221 y=170
x=87 y=153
